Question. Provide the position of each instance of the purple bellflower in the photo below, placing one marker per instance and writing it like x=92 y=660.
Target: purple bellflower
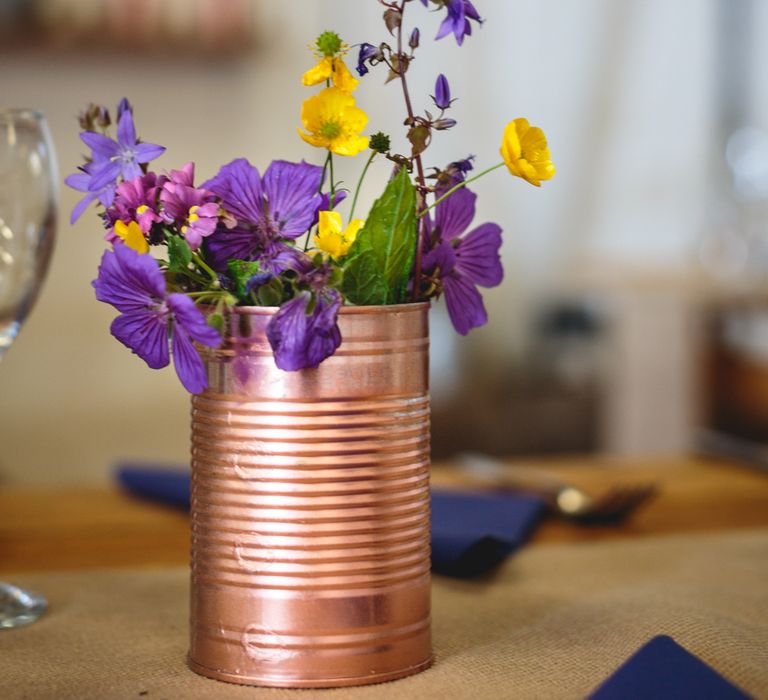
x=456 y=21
x=194 y=210
x=442 y=96
x=82 y=183
x=462 y=262
x=136 y=200
x=302 y=340
x=122 y=157
x=135 y=286
x=367 y=53
x=280 y=205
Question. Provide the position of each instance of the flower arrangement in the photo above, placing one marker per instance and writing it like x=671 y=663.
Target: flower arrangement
x=277 y=238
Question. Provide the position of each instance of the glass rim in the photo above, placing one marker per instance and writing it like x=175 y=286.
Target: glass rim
x=21 y=112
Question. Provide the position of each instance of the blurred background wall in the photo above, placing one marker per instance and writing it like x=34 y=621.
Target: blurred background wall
x=599 y=336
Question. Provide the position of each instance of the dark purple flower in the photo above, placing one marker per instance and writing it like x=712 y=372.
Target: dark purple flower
x=280 y=205
x=413 y=40
x=82 y=183
x=457 y=20
x=136 y=200
x=119 y=158
x=135 y=286
x=461 y=262
x=300 y=340
x=366 y=53
x=195 y=210
x=442 y=96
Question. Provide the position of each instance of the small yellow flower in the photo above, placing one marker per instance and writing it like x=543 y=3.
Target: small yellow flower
x=132 y=236
x=331 y=67
x=333 y=122
x=331 y=239
x=524 y=149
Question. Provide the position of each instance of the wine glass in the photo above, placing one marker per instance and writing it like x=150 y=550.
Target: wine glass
x=28 y=194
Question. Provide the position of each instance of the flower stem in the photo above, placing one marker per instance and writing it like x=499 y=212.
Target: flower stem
x=417 y=159
x=319 y=191
x=463 y=183
x=199 y=260
x=333 y=185
x=359 y=183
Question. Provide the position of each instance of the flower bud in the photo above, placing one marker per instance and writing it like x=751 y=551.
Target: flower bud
x=442 y=96
x=413 y=41
x=379 y=142
x=93 y=117
x=443 y=124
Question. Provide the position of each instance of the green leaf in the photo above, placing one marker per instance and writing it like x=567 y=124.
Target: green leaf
x=271 y=293
x=179 y=254
x=379 y=262
x=240 y=272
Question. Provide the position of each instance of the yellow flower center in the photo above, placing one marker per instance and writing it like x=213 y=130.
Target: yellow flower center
x=330 y=130
x=192 y=216
x=142 y=209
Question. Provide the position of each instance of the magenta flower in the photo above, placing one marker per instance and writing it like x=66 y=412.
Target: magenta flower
x=300 y=340
x=82 y=182
x=456 y=21
x=118 y=158
x=194 y=210
x=135 y=286
x=136 y=200
x=462 y=262
x=280 y=205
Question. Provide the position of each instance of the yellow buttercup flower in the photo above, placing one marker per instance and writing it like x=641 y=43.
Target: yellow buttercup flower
x=333 y=122
x=524 y=149
x=331 y=239
x=331 y=67
x=132 y=236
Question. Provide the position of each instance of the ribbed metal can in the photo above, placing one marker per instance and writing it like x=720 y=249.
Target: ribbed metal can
x=310 y=506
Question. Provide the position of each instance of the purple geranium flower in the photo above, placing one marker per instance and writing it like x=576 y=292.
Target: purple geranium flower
x=119 y=158
x=135 y=286
x=82 y=183
x=136 y=200
x=280 y=205
x=194 y=210
x=461 y=262
x=300 y=340
x=442 y=96
x=457 y=20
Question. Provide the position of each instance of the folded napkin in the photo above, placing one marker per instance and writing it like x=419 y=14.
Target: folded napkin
x=471 y=532
x=663 y=670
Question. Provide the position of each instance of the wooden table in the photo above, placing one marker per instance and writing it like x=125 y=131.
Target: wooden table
x=89 y=528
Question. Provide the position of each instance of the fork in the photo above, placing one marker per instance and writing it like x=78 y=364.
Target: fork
x=562 y=498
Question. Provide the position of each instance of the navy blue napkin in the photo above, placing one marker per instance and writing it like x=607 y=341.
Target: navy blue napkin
x=471 y=532
x=663 y=670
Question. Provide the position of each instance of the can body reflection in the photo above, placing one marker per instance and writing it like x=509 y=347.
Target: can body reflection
x=310 y=507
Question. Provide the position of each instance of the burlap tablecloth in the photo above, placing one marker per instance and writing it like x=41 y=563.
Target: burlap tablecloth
x=553 y=623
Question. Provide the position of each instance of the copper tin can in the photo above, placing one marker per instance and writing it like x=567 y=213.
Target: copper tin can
x=310 y=507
